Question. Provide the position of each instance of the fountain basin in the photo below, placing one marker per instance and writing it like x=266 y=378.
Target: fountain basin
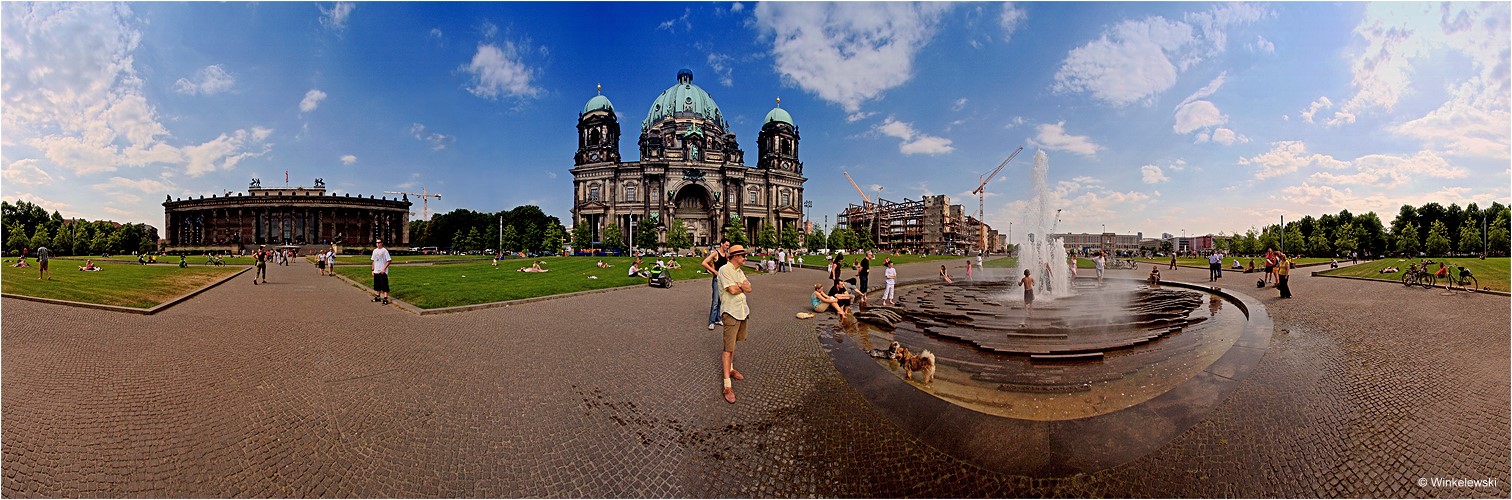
x=1096 y=379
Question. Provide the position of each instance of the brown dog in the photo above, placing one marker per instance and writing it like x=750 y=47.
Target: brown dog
x=910 y=362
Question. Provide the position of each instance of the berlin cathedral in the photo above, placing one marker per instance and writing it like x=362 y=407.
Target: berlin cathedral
x=690 y=169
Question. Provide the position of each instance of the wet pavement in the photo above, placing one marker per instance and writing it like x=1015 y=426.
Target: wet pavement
x=304 y=387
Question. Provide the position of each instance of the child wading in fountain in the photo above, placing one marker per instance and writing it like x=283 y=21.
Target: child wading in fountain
x=1028 y=283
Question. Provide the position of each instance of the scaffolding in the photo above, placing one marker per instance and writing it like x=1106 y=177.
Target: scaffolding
x=927 y=225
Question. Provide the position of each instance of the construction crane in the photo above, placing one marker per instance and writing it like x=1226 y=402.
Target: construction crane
x=867 y=205
x=981 y=192
x=424 y=196
x=866 y=201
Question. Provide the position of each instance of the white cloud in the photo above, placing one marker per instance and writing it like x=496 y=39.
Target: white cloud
x=958 y=105
x=1312 y=109
x=720 y=63
x=150 y=186
x=437 y=141
x=212 y=79
x=1261 y=46
x=847 y=53
x=311 y=100
x=1391 y=171
x=497 y=71
x=25 y=172
x=737 y=7
x=436 y=33
x=1286 y=157
x=336 y=17
x=1152 y=174
x=1139 y=58
x=1473 y=122
x=40 y=201
x=348 y=160
x=1197 y=115
x=913 y=141
x=1011 y=19
x=1228 y=137
x=1054 y=137
x=672 y=24
x=225 y=151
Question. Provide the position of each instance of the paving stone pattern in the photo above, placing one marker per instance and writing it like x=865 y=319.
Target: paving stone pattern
x=304 y=387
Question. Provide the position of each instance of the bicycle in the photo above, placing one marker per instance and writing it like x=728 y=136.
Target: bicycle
x=1466 y=281
x=1415 y=276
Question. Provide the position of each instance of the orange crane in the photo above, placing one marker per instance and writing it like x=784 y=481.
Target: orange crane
x=867 y=205
x=981 y=192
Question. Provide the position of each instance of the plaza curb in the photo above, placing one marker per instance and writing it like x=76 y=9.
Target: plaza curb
x=123 y=309
x=1319 y=274
x=1138 y=430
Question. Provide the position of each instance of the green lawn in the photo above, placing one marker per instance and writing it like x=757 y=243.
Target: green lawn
x=1227 y=261
x=130 y=285
x=367 y=259
x=1492 y=273
x=448 y=285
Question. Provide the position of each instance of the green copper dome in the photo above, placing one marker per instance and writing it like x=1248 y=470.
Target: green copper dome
x=778 y=114
x=598 y=102
x=684 y=99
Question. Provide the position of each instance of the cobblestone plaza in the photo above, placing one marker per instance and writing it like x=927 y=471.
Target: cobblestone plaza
x=306 y=388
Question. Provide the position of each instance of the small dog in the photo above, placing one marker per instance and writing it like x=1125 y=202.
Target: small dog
x=910 y=362
x=892 y=349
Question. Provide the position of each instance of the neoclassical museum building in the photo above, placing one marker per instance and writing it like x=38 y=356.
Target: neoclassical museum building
x=690 y=169
x=285 y=216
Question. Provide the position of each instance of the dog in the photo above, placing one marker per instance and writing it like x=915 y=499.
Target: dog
x=924 y=362
x=888 y=353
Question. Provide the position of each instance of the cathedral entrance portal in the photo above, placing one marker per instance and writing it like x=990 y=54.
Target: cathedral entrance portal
x=692 y=206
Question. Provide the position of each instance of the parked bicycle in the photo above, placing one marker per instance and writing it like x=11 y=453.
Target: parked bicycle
x=1418 y=277
x=1465 y=280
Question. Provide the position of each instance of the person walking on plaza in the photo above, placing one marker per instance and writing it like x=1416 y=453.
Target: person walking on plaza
x=782 y=263
x=1173 y=261
x=735 y=312
x=1270 y=264
x=1101 y=263
x=711 y=263
x=381 y=262
x=890 y=276
x=1215 y=266
x=968 y=269
x=42 y=255
x=865 y=271
x=261 y=259
x=1283 y=271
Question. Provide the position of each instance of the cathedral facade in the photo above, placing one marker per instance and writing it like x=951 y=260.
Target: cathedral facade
x=690 y=168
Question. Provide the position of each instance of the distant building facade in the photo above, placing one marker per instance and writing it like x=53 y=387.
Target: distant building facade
x=1117 y=244
x=928 y=225
x=690 y=168
x=284 y=216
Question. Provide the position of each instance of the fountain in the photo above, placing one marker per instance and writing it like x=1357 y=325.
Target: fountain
x=1122 y=362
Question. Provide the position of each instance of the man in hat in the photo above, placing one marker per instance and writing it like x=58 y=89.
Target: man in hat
x=733 y=310
x=381 y=262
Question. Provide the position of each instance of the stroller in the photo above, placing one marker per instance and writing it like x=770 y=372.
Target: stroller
x=660 y=278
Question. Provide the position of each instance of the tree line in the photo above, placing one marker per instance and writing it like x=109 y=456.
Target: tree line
x=28 y=226
x=525 y=229
x=1432 y=229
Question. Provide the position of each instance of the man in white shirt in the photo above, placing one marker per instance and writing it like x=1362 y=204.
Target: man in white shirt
x=733 y=311
x=381 y=262
x=1215 y=266
x=782 y=260
x=1101 y=261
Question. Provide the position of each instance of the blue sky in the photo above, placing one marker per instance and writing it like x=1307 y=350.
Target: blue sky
x=1156 y=117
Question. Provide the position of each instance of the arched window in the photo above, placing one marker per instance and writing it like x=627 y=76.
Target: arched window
x=786 y=199
x=595 y=137
x=753 y=195
x=593 y=192
x=630 y=193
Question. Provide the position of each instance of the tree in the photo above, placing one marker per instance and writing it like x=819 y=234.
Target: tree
x=1407 y=240
x=817 y=241
x=1470 y=239
x=645 y=234
x=678 y=237
x=1371 y=234
x=582 y=237
x=458 y=240
x=1497 y=234
x=612 y=238
x=511 y=239
x=734 y=233
x=840 y=239
x=1165 y=246
x=1346 y=238
x=1438 y=239
x=474 y=239
x=530 y=240
x=863 y=240
x=1295 y=243
x=767 y=237
x=551 y=243
x=789 y=238
x=16 y=238
x=61 y=243
x=1318 y=245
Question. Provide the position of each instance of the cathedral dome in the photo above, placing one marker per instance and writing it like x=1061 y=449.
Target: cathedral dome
x=598 y=102
x=684 y=99
x=778 y=114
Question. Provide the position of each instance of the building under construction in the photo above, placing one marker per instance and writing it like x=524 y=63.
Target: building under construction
x=929 y=225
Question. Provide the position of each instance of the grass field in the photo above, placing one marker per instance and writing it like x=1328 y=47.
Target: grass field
x=1227 y=261
x=1492 y=273
x=448 y=285
x=129 y=285
x=342 y=260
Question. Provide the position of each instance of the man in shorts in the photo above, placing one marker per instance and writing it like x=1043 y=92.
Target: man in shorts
x=1028 y=283
x=733 y=310
x=42 y=255
x=381 y=262
x=261 y=256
